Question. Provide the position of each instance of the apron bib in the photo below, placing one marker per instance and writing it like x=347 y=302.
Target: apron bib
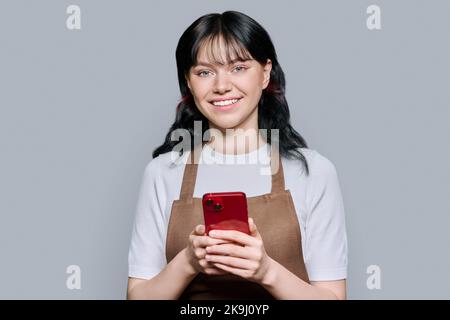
x=274 y=215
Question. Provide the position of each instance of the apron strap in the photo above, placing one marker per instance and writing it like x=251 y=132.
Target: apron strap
x=278 y=177
x=190 y=173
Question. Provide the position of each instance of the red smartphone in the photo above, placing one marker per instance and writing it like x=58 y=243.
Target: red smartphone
x=225 y=211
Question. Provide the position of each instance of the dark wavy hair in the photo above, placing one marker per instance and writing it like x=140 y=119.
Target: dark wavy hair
x=244 y=38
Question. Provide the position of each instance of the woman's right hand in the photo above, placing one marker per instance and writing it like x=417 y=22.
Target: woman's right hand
x=198 y=241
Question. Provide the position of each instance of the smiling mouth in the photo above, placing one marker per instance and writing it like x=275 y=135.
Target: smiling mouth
x=226 y=104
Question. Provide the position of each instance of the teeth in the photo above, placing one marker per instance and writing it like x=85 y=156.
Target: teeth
x=225 y=102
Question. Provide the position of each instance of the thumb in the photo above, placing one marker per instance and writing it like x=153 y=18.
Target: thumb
x=200 y=229
x=253 y=229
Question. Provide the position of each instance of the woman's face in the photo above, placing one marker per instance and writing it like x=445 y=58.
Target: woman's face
x=228 y=95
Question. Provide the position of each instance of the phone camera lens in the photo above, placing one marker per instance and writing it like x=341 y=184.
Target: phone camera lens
x=218 y=207
x=209 y=202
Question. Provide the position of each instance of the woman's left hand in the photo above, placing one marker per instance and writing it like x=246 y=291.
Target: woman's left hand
x=247 y=259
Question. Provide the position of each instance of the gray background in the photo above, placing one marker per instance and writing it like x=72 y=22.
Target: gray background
x=82 y=110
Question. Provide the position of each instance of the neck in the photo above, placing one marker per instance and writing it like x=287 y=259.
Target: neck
x=236 y=141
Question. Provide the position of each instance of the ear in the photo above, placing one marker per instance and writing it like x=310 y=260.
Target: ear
x=267 y=70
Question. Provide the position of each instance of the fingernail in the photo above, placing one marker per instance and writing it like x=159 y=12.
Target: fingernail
x=213 y=233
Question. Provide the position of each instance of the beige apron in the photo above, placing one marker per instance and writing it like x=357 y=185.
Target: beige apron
x=274 y=215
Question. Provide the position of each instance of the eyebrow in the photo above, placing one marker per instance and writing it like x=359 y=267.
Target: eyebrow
x=202 y=63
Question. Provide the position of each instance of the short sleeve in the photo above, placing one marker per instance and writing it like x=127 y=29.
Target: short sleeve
x=146 y=257
x=326 y=238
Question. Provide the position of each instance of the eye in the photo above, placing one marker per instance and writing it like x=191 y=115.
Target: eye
x=202 y=73
x=240 y=68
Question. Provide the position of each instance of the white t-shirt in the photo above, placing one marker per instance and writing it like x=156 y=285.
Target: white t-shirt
x=317 y=200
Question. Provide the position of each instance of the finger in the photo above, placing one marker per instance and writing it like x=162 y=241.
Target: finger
x=212 y=241
x=204 y=241
x=251 y=224
x=215 y=271
x=200 y=229
x=232 y=261
x=253 y=229
x=233 y=235
x=200 y=253
x=239 y=272
x=231 y=250
x=205 y=264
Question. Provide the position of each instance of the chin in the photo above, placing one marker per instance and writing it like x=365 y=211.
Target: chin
x=227 y=124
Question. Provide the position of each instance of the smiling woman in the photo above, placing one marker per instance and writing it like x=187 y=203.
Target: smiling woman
x=230 y=80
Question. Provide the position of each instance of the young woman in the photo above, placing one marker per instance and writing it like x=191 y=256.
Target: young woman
x=232 y=84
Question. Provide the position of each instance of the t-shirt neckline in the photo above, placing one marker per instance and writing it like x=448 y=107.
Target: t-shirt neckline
x=252 y=157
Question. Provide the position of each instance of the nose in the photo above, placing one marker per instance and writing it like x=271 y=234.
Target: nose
x=222 y=83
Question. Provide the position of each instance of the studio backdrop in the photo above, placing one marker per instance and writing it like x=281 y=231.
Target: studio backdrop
x=88 y=90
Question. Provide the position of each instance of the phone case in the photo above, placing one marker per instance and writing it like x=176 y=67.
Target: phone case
x=225 y=211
